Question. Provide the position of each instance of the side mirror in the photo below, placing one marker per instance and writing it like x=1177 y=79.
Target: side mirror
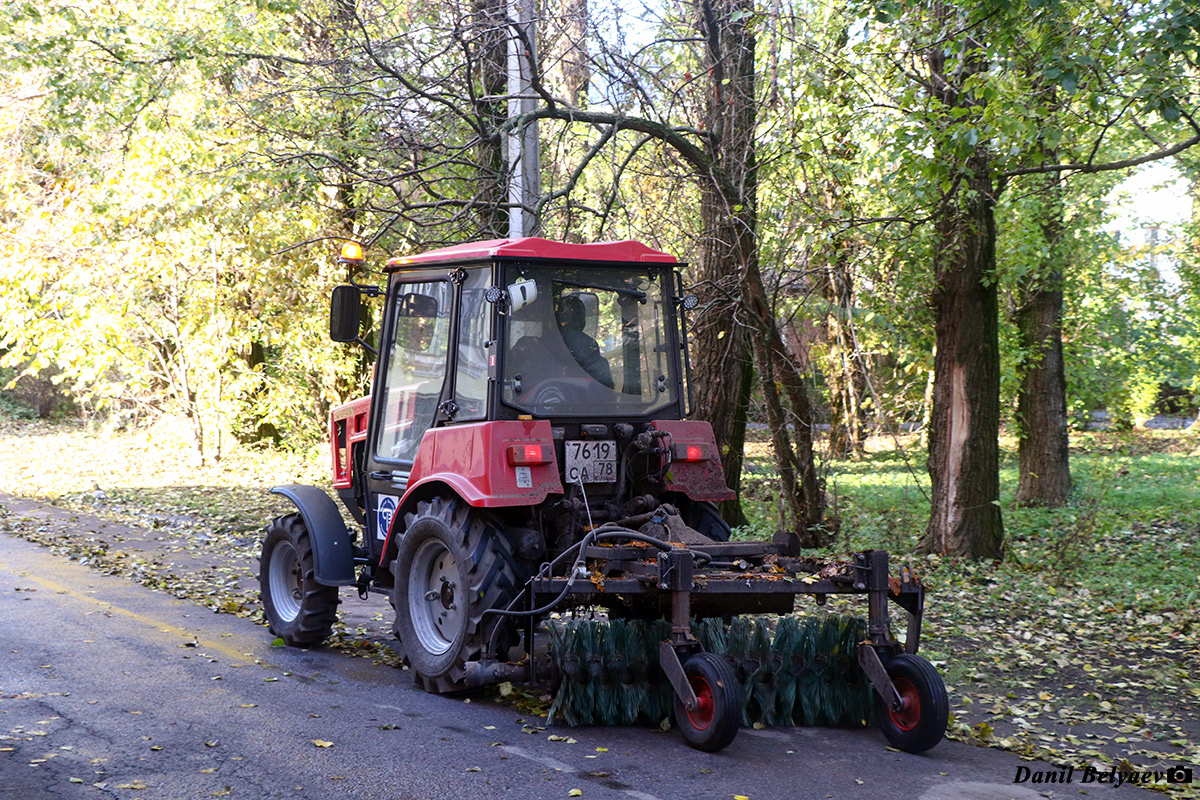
x=345 y=313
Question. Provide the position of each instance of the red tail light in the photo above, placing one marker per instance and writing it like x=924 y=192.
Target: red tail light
x=689 y=452
x=525 y=455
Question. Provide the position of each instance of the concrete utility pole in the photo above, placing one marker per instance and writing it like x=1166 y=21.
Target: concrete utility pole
x=525 y=184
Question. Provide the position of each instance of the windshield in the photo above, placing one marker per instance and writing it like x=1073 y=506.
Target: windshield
x=587 y=340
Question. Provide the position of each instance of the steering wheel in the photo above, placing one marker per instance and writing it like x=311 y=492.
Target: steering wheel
x=552 y=393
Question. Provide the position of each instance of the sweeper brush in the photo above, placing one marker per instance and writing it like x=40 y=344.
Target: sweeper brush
x=706 y=632
x=790 y=670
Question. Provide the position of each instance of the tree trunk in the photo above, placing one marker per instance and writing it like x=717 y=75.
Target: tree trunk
x=964 y=429
x=723 y=367
x=733 y=284
x=1045 y=472
x=813 y=531
x=844 y=368
x=1044 y=476
x=490 y=81
x=964 y=447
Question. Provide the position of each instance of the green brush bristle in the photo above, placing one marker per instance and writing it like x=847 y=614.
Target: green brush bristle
x=761 y=668
x=782 y=649
x=804 y=672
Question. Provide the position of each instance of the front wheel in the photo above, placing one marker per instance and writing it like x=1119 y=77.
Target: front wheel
x=298 y=609
x=921 y=721
x=714 y=723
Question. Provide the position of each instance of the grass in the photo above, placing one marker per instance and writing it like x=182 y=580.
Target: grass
x=1082 y=646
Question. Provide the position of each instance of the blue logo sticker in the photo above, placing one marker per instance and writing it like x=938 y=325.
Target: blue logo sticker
x=383 y=515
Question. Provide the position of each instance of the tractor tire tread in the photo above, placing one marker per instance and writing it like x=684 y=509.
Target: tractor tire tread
x=491 y=570
x=318 y=604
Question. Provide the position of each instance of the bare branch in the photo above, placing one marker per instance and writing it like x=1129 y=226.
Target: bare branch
x=1126 y=163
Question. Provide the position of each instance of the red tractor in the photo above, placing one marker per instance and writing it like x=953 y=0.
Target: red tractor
x=525 y=449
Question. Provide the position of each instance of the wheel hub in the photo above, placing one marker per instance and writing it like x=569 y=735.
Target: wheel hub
x=286 y=581
x=702 y=717
x=909 y=713
x=437 y=614
x=446 y=595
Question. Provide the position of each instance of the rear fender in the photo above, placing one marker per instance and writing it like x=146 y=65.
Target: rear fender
x=333 y=556
x=701 y=479
x=471 y=461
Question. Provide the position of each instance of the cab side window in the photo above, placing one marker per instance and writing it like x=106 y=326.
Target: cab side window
x=471 y=378
x=416 y=368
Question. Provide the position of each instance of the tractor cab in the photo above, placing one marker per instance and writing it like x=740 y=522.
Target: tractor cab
x=513 y=371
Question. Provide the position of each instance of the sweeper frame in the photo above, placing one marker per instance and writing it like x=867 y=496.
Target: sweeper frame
x=632 y=574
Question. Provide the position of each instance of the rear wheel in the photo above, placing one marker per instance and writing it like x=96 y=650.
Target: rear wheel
x=298 y=609
x=704 y=517
x=714 y=723
x=921 y=721
x=452 y=564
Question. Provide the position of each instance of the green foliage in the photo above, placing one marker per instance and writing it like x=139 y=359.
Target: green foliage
x=168 y=164
x=141 y=232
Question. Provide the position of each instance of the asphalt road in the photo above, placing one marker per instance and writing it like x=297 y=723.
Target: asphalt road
x=109 y=689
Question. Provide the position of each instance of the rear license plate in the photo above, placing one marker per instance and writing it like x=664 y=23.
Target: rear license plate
x=591 y=462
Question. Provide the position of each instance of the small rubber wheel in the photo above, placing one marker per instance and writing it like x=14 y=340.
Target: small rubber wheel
x=714 y=723
x=921 y=721
x=298 y=609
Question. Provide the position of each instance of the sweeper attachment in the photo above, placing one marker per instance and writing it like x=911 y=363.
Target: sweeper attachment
x=527 y=490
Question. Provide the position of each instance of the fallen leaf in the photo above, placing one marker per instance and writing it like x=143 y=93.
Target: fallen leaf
x=321 y=743
x=575 y=793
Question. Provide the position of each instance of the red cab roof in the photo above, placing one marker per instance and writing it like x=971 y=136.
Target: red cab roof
x=533 y=247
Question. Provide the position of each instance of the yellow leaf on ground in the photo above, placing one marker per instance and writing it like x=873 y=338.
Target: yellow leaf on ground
x=321 y=743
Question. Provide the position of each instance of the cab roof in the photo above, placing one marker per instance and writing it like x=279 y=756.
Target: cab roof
x=534 y=247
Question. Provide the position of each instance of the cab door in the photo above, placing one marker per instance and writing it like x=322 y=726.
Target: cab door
x=410 y=386
x=423 y=380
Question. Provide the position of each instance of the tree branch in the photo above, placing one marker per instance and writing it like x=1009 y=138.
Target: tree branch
x=1087 y=167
